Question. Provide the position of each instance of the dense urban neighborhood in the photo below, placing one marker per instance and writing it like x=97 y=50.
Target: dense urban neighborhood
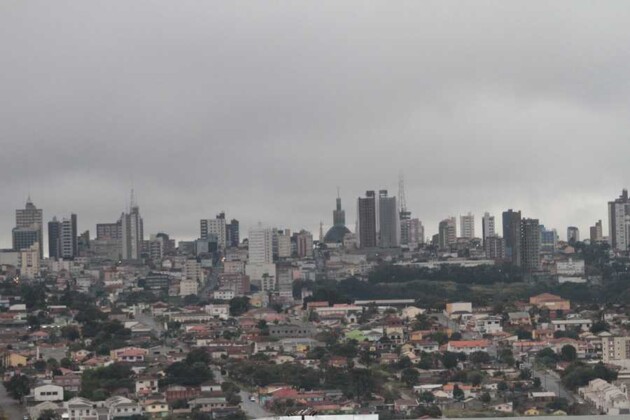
x=279 y=324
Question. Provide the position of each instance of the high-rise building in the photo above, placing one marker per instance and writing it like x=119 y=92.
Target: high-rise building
x=573 y=234
x=54 y=238
x=487 y=226
x=83 y=243
x=467 y=226
x=387 y=221
x=109 y=231
x=260 y=245
x=25 y=238
x=338 y=230
x=548 y=240
x=233 y=234
x=30 y=261
x=68 y=238
x=447 y=231
x=596 y=232
x=30 y=217
x=619 y=222
x=215 y=227
x=494 y=247
x=132 y=232
x=414 y=232
x=260 y=259
x=304 y=244
x=512 y=236
x=530 y=244
x=366 y=220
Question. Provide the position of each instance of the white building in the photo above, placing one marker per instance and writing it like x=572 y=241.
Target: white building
x=188 y=287
x=467 y=225
x=192 y=270
x=48 y=393
x=487 y=226
x=260 y=259
x=570 y=324
x=218 y=310
x=29 y=261
x=606 y=397
x=214 y=227
x=132 y=233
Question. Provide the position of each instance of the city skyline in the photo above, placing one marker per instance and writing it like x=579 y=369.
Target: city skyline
x=198 y=120
x=326 y=220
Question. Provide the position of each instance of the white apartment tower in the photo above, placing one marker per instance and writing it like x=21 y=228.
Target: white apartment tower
x=467 y=225
x=487 y=226
x=260 y=259
x=217 y=227
x=132 y=232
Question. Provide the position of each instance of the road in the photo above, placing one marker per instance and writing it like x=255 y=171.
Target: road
x=252 y=409
x=11 y=408
x=551 y=382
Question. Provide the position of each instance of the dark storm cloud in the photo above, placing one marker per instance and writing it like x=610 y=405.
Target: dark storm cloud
x=263 y=108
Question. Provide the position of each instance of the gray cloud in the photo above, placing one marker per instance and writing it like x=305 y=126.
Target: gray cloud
x=263 y=108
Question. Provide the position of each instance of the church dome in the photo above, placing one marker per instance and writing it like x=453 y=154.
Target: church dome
x=335 y=234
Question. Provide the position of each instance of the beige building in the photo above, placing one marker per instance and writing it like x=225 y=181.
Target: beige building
x=615 y=348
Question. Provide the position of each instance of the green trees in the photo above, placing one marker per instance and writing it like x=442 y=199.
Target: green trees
x=239 y=305
x=410 y=377
x=98 y=384
x=192 y=371
x=449 y=360
x=568 y=353
x=18 y=386
x=479 y=358
x=547 y=357
x=578 y=374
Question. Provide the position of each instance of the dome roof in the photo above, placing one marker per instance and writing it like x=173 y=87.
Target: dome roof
x=335 y=234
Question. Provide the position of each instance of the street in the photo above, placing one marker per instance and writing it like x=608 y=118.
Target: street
x=10 y=408
x=252 y=409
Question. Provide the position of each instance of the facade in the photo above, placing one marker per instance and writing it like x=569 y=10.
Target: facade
x=530 y=244
x=487 y=226
x=30 y=261
x=447 y=231
x=32 y=218
x=233 y=233
x=48 y=393
x=366 y=220
x=68 y=238
x=388 y=236
x=467 y=226
x=25 y=237
x=619 y=222
x=54 y=240
x=109 y=231
x=304 y=244
x=615 y=348
x=596 y=232
x=548 y=240
x=512 y=236
x=494 y=247
x=573 y=234
x=214 y=227
x=132 y=233
x=260 y=246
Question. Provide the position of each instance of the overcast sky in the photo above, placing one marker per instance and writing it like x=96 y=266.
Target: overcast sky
x=263 y=109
